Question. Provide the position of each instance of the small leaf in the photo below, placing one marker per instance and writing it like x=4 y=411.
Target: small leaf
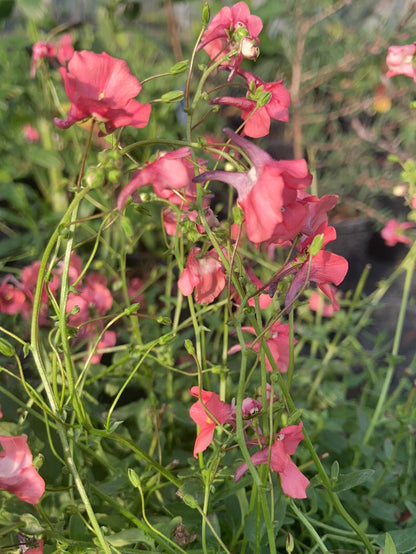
x=389 y=547
x=350 y=480
x=45 y=158
x=130 y=536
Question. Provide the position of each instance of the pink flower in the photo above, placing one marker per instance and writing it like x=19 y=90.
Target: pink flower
x=317 y=302
x=205 y=274
x=324 y=268
x=220 y=410
x=171 y=176
x=17 y=473
x=102 y=87
x=232 y=28
x=258 y=120
x=293 y=482
x=88 y=309
x=30 y=545
x=277 y=339
x=30 y=133
x=135 y=290
x=392 y=232
x=12 y=299
x=37 y=549
x=265 y=189
x=400 y=61
x=65 y=49
x=41 y=50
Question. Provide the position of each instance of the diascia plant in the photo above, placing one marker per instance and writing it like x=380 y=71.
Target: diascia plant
x=206 y=336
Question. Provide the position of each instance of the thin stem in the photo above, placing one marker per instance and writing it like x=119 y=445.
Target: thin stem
x=408 y=263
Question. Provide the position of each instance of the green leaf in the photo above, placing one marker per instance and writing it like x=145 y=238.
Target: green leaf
x=45 y=158
x=403 y=539
x=130 y=536
x=389 y=547
x=350 y=480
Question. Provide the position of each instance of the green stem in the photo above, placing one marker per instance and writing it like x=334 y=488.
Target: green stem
x=242 y=443
x=309 y=527
x=408 y=263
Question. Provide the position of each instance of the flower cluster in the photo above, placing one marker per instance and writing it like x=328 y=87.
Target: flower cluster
x=86 y=306
x=273 y=211
x=209 y=411
x=62 y=51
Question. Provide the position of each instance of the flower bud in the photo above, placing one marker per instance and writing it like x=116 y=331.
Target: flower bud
x=249 y=49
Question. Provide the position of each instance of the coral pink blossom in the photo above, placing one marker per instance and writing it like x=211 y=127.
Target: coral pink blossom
x=12 y=299
x=324 y=268
x=86 y=311
x=265 y=189
x=258 y=118
x=317 y=302
x=211 y=403
x=293 y=482
x=400 y=61
x=278 y=341
x=392 y=232
x=205 y=274
x=65 y=49
x=102 y=87
x=17 y=473
x=41 y=50
x=232 y=28
x=171 y=176
x=30 y=133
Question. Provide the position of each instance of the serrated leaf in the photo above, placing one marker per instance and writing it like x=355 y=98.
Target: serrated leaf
x=350 y=480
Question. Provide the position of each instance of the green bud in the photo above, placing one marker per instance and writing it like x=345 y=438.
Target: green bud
x=238 y=215
x=189 y=347
x=240 y=33
x=114 y=176
x=95 y=177
x=334 y=471
x=317 y=243
x=133 y=477
x=205 y=14
x=38 y=461
x=179 y=67
x=172 y=96
x=164 y=320
x=190 y=501
x=132 y=309
x=103 y=156
x=6 y=348
x=290 y=543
